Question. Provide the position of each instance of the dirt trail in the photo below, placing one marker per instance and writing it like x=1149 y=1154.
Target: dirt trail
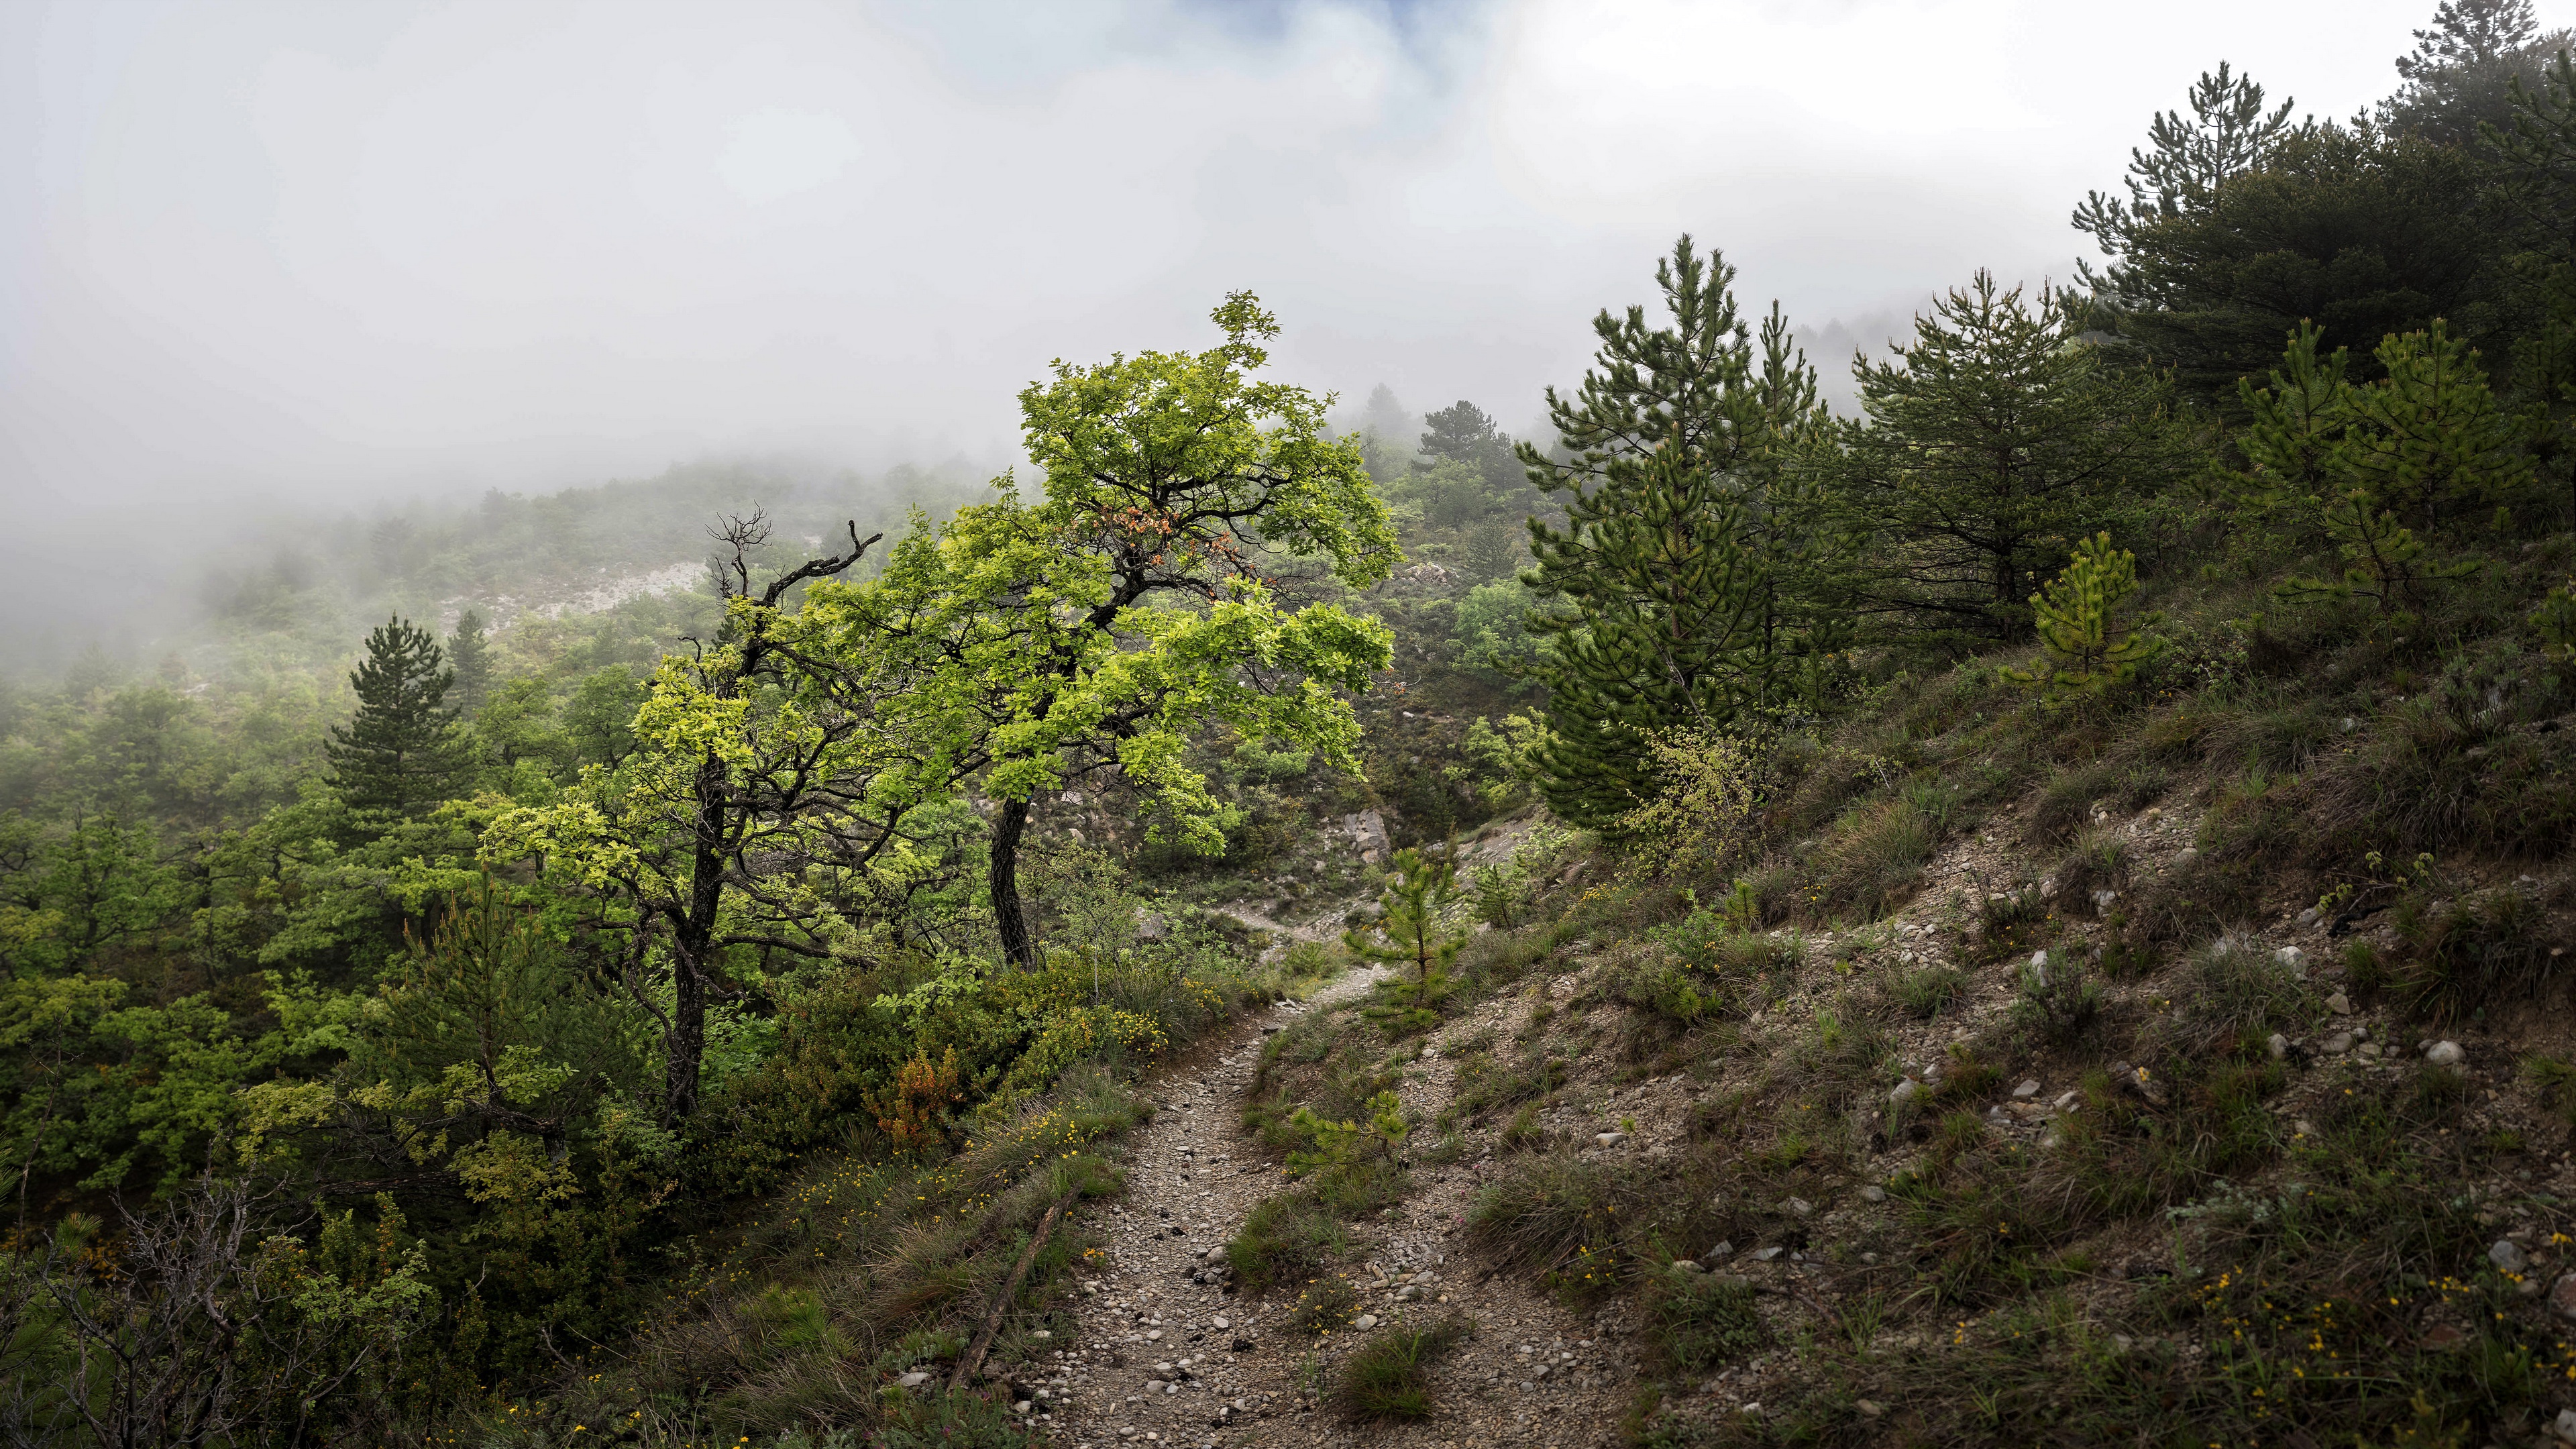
x=1163 y=1359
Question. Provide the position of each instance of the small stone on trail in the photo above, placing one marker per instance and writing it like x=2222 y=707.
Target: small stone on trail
x=2028 y=1089
x=2339 y=1042
x=2444 y=1054
x=2339 y=1004
x=1609 y=1139
x=914 y=1379
x=1799 y=1206
x=1688 y=1265
x=2294 y=958
x=1873 y=1193
x=1222 y=1322
x=1364 y=1322
x=1765 y=1255
x=2508 y=1256
x=2277 y=1045
x=1904 y=1090
x=2308 y=917
x=1869 y=1408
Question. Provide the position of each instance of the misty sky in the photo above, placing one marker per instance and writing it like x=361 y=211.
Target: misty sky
x=377 y=248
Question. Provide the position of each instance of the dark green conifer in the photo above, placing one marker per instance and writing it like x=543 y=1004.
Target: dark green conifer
x=1676 y=584
x=469 y=653
x=400 y=754
x=1994 y=441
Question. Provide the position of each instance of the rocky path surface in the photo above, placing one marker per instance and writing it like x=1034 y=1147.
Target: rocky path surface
x=1167 y=1355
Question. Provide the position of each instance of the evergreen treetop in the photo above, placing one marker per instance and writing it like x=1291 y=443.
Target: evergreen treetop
x=399 y=754
x=1676 y=587
x=2080 y=619
x=2228 y=133
x=469 y=654
x=1993 y=441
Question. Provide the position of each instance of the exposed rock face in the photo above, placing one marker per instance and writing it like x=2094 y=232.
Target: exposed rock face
x=1367 y=833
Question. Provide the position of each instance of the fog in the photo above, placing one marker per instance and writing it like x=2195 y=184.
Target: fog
x=312 y=250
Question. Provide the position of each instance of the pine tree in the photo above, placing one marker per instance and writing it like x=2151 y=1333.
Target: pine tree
x=1666 y=635
x=1416 y=940
x=400 y=753
x=1672 y=587
x=2227 y=134
x=2469 y=33
x=2080 y=620
x=2294 y=428
x=469 y=653
x=1993 y=442
x=2430 y=437
x=2427 y=441
x=2465 y=68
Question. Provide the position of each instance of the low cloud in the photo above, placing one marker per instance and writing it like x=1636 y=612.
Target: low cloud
x=362 y=251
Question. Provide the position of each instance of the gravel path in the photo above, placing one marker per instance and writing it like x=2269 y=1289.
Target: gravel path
x=1162 y=1359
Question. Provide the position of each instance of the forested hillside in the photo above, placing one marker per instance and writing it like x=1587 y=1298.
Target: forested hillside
x=2035 y=910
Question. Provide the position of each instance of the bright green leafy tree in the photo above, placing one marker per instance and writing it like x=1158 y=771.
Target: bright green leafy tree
x=748 y=813
x=1094 y=632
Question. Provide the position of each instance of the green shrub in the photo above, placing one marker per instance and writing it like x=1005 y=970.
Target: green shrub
x=2238 y=995
x=2099 y=861
x=2489 y=948
x=1327 y=1303
x=2055 y=998
x=2065 y=803
x=1924 y=990
x=1388 y=1380
x=1703 y=1320
x=1553 y=1212
x=1873 y=859
x=2555 y=1079
x=2012 y=922
x=1284 y=1239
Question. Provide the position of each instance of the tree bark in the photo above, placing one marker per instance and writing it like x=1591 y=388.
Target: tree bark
x=1009 y=824
x=691 y=945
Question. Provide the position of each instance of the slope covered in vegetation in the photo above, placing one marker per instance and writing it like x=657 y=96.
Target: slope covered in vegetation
x=2038 y=913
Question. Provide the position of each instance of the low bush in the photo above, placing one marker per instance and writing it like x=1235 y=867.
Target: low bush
x=1284 y=1239
x=1703 y=1320
x=1870 y=864
x=2055 y=999
x=1327 y=1303
x=2238 y=994
x=1925 y=990
x=1388 y=1380
x=2010 y=923
x=2489 y=948
x=1553 y=1212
